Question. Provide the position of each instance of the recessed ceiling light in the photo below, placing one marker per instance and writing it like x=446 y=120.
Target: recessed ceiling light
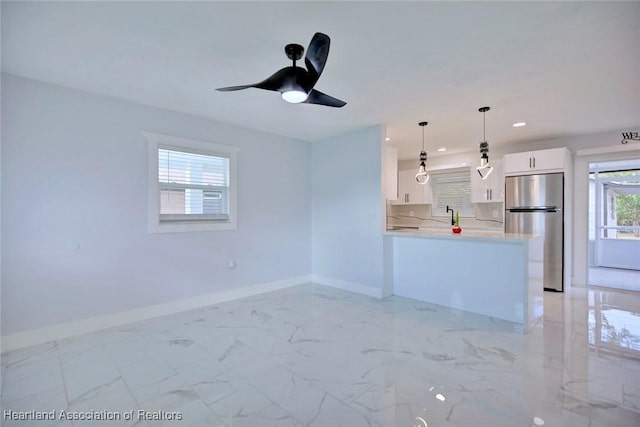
x=442 y=149
x=387 y=139
x=519 y=124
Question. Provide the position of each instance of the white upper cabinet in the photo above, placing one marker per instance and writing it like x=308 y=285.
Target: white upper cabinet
x=410 y=192
x=531 y=162
x=490 y=190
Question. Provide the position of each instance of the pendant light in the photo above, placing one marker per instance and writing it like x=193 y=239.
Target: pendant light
x=422 y=177
x=484 y=169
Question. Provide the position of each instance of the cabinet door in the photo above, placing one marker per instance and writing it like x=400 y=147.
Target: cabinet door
x=490 y=189
x=409 y=191
x=531 y=162
x=496 y=193
x=518 y=162
x=479 y=188
x=403 y=188
x=551 y=159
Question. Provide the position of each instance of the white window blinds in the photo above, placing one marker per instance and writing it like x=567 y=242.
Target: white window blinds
x=193 y=186
x=453 y=190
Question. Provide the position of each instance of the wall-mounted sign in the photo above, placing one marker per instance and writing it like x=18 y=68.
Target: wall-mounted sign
x=630 y=136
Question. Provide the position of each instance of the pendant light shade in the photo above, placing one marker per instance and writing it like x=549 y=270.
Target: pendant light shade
x=485 y=169
x=422 y=177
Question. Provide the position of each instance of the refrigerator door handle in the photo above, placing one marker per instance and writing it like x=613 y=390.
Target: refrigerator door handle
x=534 y=209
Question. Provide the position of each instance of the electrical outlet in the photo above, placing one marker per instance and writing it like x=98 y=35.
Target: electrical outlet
x=410 y=213
x=231 y=265
x=495 y=214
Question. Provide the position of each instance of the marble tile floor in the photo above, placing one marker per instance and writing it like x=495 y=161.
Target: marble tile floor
x=317 y=356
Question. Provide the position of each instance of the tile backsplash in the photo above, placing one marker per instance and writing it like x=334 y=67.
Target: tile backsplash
x=489 y=216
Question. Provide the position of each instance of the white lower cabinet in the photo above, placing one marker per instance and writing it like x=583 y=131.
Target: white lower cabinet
x=410 y=192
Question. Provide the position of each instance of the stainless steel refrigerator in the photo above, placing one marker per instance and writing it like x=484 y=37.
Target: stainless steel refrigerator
x=534 y=205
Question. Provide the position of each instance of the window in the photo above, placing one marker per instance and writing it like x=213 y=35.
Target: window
x=191 y=185
x=452 y=189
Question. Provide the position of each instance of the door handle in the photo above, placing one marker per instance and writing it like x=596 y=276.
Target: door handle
x=534 y=162
x=529 y=162
x=490 y=194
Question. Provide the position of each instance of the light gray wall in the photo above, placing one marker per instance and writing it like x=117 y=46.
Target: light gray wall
x=347 y=208
x=1 y=133
x=74 y=209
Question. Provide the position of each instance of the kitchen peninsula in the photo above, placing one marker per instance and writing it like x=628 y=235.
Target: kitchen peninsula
x=485 y=272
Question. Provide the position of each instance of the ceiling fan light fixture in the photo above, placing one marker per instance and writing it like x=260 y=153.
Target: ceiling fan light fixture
x=295 y=96
x=296 y=83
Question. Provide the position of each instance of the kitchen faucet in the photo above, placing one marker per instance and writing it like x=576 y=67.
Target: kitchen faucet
x=453 y=222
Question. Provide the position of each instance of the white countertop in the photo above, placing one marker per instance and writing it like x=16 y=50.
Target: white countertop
x=446 y=233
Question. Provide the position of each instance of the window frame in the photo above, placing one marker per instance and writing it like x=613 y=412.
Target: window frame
x=157 y=141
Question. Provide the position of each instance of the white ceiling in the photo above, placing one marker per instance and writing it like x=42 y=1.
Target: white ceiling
x=566 y=68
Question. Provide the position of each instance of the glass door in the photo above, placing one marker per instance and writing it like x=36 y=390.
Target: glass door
x=614 y=224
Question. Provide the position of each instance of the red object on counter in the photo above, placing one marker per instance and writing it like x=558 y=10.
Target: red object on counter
x=456 y=229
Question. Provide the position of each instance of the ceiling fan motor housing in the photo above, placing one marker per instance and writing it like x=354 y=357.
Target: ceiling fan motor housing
x=295 y=78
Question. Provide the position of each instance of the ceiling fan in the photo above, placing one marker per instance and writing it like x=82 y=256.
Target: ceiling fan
x=295 y=84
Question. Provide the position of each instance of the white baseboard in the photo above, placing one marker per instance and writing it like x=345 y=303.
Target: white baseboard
x=66 y=330
x=357 y=288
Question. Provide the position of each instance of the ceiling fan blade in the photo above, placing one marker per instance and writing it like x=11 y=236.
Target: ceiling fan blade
x=316 y=57
x=232 y=88
x=275 y=82
x=319 y=98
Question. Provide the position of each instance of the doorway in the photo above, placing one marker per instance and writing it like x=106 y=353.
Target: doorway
x=614 y=224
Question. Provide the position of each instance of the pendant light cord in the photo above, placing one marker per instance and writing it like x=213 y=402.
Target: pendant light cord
x=422 y=125
x=484 y=110
x=484 y=125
